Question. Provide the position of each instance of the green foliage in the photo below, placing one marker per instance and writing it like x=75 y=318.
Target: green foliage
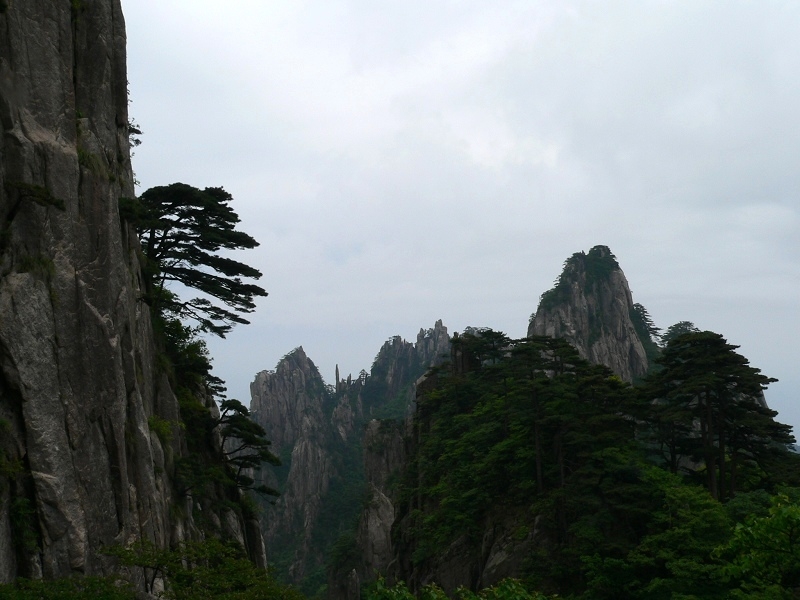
x=377 y=397
x=73 y=588
x=709 y=407
x=508 y=589
x=204 y=570
x=676 y=330
x=23 y=518
x=186 y=357
x=9 y=467
x=763 y=555
x=39 y=265
x=244 y=445
x=605 y=476
x=674 y=557
x=596 y=266
x=91 y=161
x=134 y=131
x=162 y=428
x=343 y=553
x=183 y=230
x=646 y=331
x=214 y=473
x=334 y=533
x=35 y=193
x=529 y=420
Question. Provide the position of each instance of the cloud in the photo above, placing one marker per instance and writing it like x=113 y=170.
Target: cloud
x=404 y=162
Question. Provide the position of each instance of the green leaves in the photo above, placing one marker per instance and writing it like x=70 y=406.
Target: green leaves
x=72 y=588
x=527 y=428
x=764 y=553
x=205 y=570
x=244 y=445
x=514 y=422
x=183 y=231
x=707 y=404
x=508 y=589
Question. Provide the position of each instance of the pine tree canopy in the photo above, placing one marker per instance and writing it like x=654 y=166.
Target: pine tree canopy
x=183 y=230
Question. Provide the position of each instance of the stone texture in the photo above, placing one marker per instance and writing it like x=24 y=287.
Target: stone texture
x=384 y=454
x=314 y=426
x=593 y=313
x=288 y=403
x=286 y=400
x=78 y=380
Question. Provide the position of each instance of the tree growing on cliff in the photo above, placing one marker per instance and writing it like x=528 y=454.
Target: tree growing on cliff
x=244 y=445
x=183 y=230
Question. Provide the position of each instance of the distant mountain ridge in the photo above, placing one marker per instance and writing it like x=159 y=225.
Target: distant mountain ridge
x=341 y=443
x=318 y=430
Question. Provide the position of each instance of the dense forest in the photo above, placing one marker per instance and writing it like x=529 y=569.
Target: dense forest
x=681 y=487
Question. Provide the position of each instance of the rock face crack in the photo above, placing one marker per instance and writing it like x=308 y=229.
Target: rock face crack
x=76 y=346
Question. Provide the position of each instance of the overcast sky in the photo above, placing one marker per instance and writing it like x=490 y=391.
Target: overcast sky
x=403 y=162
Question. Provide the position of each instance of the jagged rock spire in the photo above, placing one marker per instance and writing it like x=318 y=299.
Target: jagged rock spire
x=591 y=306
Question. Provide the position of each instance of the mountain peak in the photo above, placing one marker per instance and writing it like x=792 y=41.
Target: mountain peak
x=591 y=306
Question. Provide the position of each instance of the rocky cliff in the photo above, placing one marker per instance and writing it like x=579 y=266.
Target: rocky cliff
x=591 y=307
x=80 y=468
x=296 y=408
x=318 y=431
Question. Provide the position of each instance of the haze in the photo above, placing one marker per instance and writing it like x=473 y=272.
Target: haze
x=402 y=162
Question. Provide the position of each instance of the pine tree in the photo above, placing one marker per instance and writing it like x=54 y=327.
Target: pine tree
x=708 y=400
x=183 y=230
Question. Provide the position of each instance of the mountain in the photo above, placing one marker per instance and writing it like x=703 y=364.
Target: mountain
x=592 y=308
x=89 y=422
x=534 y=458
x=318 y=430
x=343 y=445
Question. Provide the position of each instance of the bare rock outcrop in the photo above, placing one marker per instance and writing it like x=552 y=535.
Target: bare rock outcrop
x=288 y=400
x=80 y=469
x=384 y=454
x=293 y=405
x=319 y=432
x=591 y=307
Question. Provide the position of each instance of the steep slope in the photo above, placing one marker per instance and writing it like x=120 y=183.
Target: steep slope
x=318 y=431
x=294 y=406
x=80 y=468
x=591 y=307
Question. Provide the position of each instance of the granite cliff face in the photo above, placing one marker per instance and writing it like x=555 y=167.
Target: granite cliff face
x=80 y=468
x=295 y=407
x=591 y=307
x=319 y=432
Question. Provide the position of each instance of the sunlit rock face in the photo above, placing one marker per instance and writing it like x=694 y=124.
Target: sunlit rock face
x=78 y=377
x=591 y=307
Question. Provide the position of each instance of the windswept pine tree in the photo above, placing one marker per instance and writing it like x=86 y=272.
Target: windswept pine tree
x=183 y=231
